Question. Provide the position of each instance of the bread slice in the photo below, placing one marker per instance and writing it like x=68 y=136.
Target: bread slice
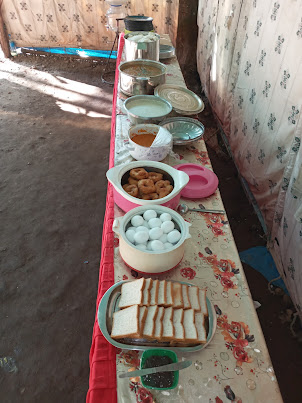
x=142 y=318
x=168 y=328
x=162 y=292
x=158 y=323
x=179 y=335
x=185 y=296
x=189 y=326
x=203 y=301
x=154 y=292
x=146 y=293
x=132 y=293
x=201 y=331
x=194 y=297
x=149 y=326
x=169 y=294
x=126 y=323
x=178 y=301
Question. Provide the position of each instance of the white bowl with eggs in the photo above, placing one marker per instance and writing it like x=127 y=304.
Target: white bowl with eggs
x=152 y=253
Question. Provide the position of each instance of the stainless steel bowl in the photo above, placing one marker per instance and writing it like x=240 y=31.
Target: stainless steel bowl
x=137 y=105
x=134 y=84
x=141 y=50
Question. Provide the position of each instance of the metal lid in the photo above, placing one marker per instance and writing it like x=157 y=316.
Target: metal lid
x=184 y=130
x=184 y=101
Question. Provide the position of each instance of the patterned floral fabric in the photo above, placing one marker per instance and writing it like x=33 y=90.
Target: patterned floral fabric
x=250 y=63
x=77 y=23
x=236 y=365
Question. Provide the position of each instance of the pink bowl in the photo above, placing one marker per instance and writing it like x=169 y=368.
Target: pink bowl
x=127 y=202
x=127 y=205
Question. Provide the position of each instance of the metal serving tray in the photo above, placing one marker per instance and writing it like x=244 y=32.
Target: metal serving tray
x=109 y=304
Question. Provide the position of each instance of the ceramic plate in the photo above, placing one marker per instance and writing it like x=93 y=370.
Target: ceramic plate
x=184 y=130
x=184 y=101
x=109 y=304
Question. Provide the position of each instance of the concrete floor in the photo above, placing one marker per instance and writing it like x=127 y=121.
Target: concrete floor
x=55 y=118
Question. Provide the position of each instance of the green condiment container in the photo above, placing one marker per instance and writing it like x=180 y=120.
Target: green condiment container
x=160 y=352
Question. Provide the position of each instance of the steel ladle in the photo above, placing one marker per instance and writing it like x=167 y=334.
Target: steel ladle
x=183 y=209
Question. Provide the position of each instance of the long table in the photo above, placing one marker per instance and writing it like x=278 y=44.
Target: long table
x=236 y=365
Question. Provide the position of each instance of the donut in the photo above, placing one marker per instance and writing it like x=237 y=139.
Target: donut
x=163 y=185
x=132 y=190
x=155 y=176
x=164 y=192
x=132 y=181
x=146 y=186
x=150 y=196
x=138 y=173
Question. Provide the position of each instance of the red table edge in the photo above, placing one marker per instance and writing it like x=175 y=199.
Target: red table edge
x=102 y=357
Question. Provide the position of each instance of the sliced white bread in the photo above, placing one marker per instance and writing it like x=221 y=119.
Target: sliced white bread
x=179 y=332
x=162 y=293
x=201 y=331
x=158 y=323
x=154 y=292
x=178 y=301
x=132 y=293
x=185 y=296
x=194 y=297
x=189 y=326
x=142 y=318
x=169 y=294
x=146 y=292
x=126 y=323
x=203 y=301
x=149 y=326
x=168 y=328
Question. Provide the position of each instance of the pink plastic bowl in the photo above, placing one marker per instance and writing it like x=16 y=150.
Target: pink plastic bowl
x=127 y=202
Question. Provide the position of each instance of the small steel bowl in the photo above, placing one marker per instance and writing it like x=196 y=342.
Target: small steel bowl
x=147 y=101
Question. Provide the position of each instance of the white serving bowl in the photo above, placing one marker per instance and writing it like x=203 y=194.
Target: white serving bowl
x=126 y=202
x=155 y=153
x=146 y=261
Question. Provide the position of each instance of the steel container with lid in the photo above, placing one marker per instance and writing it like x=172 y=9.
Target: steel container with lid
x=141 y=50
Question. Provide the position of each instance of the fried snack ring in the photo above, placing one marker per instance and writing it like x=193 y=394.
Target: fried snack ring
x=138 y=173
x=150 y=196
x=155 y=176
x=132 y=181
x=163 y=185
x=146 y=186
x=165 y=191
x=132 y=190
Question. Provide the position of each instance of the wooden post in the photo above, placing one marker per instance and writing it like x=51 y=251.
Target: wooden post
x=4 y=42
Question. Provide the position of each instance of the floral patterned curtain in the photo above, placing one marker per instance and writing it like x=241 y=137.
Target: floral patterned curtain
x=78 y=23
x=250 y=63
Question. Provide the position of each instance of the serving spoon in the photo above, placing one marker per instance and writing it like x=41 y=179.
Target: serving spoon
x=163 y=368
x=184 y=208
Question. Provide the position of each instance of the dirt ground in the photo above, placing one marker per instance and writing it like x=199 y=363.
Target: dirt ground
x=55 y=117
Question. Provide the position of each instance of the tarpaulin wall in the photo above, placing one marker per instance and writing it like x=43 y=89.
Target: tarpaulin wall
x=78 y=23
x=249 y=58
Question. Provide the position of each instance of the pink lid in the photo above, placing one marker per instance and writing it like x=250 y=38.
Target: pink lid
x=202 y=183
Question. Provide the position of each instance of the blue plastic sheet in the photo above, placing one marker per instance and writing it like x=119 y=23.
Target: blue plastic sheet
x=78 y=52
x=260 y=259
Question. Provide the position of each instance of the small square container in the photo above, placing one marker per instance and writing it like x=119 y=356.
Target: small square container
x=160 y=352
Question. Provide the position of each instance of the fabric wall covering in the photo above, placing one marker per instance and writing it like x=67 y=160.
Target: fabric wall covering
x=78 y=23
x=249 y=58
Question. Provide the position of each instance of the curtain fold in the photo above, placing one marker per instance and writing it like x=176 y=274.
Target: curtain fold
x=249 y=58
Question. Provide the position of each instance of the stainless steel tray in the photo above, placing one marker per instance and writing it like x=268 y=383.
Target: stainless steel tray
x=109 y=304
x=184 y=130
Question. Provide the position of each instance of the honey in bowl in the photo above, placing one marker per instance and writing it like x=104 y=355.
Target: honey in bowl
x=144 y=139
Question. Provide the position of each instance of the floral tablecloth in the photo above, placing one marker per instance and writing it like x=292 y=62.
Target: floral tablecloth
x=236 y=365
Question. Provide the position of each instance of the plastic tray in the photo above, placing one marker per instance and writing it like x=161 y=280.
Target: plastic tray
x=109 y=304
